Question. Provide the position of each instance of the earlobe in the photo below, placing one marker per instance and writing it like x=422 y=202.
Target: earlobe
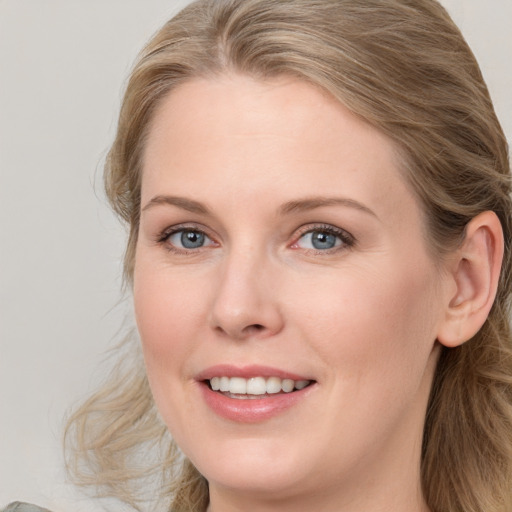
x=475 y=273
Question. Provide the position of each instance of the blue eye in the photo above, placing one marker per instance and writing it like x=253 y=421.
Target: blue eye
x=189 y=239
x=324 y=239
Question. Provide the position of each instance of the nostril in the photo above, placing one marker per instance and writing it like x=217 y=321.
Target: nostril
x=254 y=328
x=248 y=330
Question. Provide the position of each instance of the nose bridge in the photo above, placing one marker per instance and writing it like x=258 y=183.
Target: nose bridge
x=245 y=303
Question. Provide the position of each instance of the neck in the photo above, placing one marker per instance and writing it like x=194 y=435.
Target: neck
x=402 y=493
x=223 y=503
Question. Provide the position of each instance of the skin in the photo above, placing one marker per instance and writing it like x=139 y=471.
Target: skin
x=360 y=319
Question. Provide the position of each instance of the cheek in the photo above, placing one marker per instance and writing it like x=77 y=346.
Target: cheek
x=167 y=309
x=374 y=333
x=373 y=325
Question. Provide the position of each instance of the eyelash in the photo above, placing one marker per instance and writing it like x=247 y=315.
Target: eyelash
x=164 y=236
x=347 y=240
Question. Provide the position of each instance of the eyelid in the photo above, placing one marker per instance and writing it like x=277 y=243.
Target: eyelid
x=347 y=239
x=164 y=235
x=183 y=226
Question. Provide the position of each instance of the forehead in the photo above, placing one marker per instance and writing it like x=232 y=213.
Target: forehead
x=207 y=109
x=283 y=137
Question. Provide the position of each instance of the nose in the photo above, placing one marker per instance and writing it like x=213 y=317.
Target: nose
x=246 y=300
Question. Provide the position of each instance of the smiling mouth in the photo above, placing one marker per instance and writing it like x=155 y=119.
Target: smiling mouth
x=255 y=387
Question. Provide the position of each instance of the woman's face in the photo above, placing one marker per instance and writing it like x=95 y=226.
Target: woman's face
x=280 y=248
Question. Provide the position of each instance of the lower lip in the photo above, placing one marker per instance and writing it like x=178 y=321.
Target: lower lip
x=252 y=410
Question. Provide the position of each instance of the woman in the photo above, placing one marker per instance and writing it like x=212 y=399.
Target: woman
x=318 y=196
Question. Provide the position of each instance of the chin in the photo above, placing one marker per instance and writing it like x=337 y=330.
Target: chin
x=258 y=466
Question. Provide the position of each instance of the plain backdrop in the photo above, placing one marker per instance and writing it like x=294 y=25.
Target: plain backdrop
x=63 y=65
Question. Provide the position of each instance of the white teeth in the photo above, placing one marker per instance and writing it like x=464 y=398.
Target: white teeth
x=238 y=385
x=224 y=384
x=215 y=383
x=256 y=385
x=287 y=385
x=301 y=384
x=273 y=385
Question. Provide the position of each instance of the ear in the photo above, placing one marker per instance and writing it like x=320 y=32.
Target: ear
x=475 y=271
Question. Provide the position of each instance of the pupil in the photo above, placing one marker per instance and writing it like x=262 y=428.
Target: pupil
x=192 y=239
x=323 y=240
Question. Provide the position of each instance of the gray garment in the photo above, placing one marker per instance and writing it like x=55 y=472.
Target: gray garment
x=17 y=506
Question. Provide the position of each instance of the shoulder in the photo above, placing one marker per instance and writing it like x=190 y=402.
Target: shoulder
x=17 y=506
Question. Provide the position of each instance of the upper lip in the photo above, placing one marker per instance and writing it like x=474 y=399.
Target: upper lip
x=246 y=372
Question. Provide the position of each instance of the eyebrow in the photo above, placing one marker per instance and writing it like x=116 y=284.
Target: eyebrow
x=296 y=206
x=311 y=203
x=181 y=202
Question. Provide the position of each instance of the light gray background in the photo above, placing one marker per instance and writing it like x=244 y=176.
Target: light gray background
x=62 y=68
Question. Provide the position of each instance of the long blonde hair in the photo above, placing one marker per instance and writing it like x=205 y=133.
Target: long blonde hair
x=404 y=67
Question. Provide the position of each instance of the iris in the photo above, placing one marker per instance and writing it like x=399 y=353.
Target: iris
x=192 y=239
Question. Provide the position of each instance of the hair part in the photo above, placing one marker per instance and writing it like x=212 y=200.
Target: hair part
x=404 y=67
